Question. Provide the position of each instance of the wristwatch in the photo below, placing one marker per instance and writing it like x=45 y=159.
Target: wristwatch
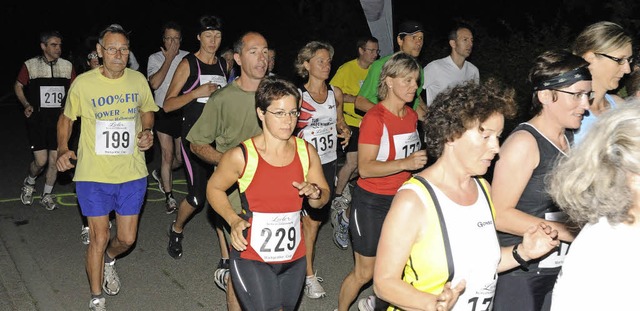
x=149 y=129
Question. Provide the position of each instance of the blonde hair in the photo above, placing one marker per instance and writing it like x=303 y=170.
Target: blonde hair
x=307 y=52
x=601 y=37
x=593 y=180
x=400 y=64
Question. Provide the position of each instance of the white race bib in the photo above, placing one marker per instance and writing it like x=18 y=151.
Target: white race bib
x=217 y=79
x=406 y=144
x=115 y=137
x=325 y=139
x=51 y=96
x=275 y=236
x=555 y=259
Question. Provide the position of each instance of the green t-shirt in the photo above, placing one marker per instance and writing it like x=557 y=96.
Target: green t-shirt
x=369 y=89
x=229 y=117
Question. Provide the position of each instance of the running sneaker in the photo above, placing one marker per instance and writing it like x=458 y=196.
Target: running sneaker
x=27 y=193
x=47 y=201
x=340 y=229
x=156 y=175
x=111 y=283
x=346 y=192
x=98 y=304
x=339 y=203
x=171 y=204
x=221 y=276
x=84 y=235
x=367 y=304
x=312 y=287
x=175 y=243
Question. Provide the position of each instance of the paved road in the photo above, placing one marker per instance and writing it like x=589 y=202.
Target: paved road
x=42 y=258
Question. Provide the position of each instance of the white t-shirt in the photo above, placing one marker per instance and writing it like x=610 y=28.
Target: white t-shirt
x=153 y=65
x=443 y=73
x=600 y=272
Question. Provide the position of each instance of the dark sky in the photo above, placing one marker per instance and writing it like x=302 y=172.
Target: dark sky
x=287 y=24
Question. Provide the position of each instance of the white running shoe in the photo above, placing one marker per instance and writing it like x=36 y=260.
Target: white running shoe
x=26 y=196
x=47 y=202
x=367 y=304
x=98 y=304
x=111 y=283
x=84 y=235
x=156 y=175
x=312 y=287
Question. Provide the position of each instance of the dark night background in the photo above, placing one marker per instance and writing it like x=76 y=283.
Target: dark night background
x=508 y=34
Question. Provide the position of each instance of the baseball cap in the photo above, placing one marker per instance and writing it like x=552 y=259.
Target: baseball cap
x=409 y=28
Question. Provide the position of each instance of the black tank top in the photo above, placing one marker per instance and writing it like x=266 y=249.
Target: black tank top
x=192 y=111
x=535 y=200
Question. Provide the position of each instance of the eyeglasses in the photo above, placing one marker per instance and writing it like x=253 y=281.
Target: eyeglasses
x=577 y=95
x=92 y=55
x=281 y=114
x=113 y=51
x=372 y=50
x=620 y=61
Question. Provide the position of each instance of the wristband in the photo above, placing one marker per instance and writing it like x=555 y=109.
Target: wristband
x=523 y=263
x=149 y=129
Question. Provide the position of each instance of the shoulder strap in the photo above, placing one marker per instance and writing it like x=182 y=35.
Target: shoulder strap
x=250 y=164
x=303 y=154
x=251 y=161
x=485 y=190
x=195 y=83
x=443 y=225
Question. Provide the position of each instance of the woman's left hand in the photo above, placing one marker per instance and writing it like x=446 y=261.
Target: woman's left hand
x=539 y=240
x=344 y=132
x=309 y=190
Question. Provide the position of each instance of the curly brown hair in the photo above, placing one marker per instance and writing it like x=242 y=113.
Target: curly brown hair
x=462 y=107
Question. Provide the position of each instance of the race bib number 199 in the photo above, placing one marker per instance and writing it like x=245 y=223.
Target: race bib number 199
x=115 y=137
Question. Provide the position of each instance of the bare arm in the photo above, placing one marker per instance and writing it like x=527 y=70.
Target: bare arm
x=145 y=137
x=343 y=129
x=537 y=241
x=225 y=175
x=363 y=103
x=315 y=188
x=348 y=98
x=207 y=153
x=400 y=232
x=173 y=100
x=156 y=79
x=19 y=90
x=369 y=166
x=64 y=129
x=519 y=156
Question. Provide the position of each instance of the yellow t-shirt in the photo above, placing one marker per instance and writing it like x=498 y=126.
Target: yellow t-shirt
x=110 y=113
x=349 y=78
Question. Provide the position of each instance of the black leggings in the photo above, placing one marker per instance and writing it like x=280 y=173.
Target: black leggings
x=197 y=173
x=263 y=286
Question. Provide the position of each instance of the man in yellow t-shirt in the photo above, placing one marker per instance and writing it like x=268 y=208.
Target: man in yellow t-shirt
x=116 y=107
x=348 y=78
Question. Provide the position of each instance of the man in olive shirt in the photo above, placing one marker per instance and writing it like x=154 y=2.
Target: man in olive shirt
x=228 y=118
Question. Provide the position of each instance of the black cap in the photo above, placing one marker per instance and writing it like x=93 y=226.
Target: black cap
x=409 y=28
